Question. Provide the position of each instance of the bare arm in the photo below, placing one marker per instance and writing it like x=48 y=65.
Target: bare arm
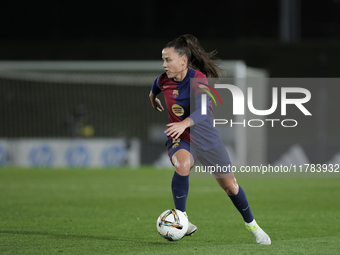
x=155 y=102
x=175 y=129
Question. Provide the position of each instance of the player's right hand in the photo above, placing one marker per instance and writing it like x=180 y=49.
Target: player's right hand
x=156 y=104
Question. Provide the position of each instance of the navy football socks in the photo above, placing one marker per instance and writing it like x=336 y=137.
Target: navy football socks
x=180 y=189
x=241 y=203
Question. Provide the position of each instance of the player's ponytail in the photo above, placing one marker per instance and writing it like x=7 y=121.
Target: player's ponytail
x=197 y=58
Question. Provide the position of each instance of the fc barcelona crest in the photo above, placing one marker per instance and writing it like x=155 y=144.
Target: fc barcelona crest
x=175 y=145
x=175 y=142
x=175 y=93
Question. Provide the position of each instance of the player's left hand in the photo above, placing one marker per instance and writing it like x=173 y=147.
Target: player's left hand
x=175 y=129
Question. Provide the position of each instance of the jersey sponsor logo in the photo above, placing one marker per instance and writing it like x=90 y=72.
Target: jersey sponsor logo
x=164 y=87
x=177 y=110
x=175 y=93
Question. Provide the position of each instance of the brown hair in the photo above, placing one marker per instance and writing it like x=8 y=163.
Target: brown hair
x=197 y=58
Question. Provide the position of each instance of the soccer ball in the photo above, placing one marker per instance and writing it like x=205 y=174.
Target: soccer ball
x=172 y=224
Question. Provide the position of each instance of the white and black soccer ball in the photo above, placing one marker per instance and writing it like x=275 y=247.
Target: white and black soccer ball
x=172 y=224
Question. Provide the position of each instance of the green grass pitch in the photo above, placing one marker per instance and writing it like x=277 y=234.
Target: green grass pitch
x=114 y=211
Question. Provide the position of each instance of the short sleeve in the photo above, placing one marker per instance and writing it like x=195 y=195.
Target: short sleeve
x=155 y=89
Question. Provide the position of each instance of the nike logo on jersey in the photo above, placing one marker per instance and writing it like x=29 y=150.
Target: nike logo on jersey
x=164 y=87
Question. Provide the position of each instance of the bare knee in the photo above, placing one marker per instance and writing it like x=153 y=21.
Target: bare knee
x=229 y=185
x=183 y=168
x=231 y=190
x=182 y=160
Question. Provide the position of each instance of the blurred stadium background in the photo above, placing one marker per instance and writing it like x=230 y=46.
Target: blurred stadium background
x=74 y=84
x=73 y=76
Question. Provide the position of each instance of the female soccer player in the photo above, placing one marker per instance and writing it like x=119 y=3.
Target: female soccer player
x=192 y=136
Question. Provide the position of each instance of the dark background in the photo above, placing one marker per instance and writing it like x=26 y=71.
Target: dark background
x=116 y=30
x=288 y=38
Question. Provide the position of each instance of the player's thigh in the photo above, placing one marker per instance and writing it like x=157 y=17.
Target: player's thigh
x=218 y=157
x=217 y=161
x=183 y=161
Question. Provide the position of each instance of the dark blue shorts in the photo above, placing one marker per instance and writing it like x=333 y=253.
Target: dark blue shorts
x=217 y=156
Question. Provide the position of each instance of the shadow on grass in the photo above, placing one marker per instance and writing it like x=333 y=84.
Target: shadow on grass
x=105 y=238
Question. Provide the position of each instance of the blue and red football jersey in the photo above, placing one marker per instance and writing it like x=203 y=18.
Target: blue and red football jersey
x=178 y=97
